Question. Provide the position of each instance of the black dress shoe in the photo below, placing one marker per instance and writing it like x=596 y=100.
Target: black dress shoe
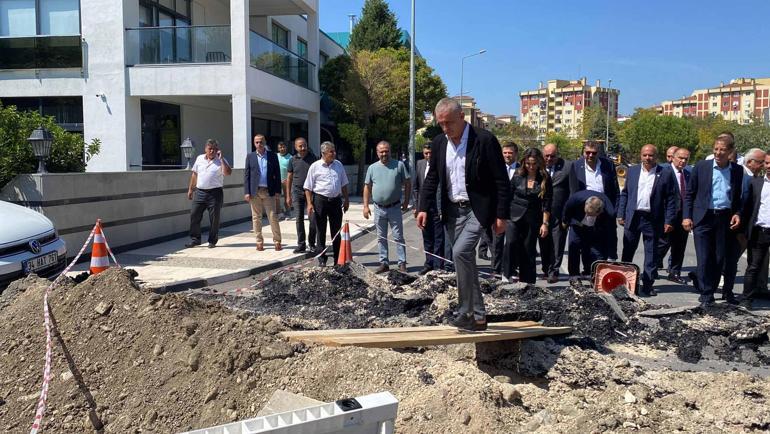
x=730 y=299
x=746 y=304
x=192 y=244
x=676 y=278
x=300 y=249
x=553 y=279
x=382 y=269
x=705 y=305
x=211 y=246
x=467 y=322
x=424 y=270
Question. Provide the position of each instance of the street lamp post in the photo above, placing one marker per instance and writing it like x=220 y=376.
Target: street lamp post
x=607 y=134
x=462 y=71
x=41 y=140
x=411 y=99
x=187 y=150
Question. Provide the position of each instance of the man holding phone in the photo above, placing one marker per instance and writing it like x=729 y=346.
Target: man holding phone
x=205 y=190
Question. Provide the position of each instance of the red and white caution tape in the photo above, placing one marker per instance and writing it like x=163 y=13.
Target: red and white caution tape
x=49 y=342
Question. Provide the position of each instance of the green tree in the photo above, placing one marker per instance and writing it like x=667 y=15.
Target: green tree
x=646 y=126
x=753 y=135
x=520 y=134
x=69 y=152
x=569 y=148
x=594 y=125
x=376 y=29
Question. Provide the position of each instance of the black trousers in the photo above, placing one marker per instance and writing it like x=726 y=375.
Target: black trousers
x=552 y=248
x=433 y=241
x=520 y=243
x=642 y=226
x=300 y=204
x=327 y=210
x=676 y=241
x=758 y=255
x=716 y=250
x=206 y=200
x=588 y=244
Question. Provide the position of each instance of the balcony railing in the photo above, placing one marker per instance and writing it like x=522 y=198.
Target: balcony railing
x=270 y=57
x=40 y=52
x=181 y=44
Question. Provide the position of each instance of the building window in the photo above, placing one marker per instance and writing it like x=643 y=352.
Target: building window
x=39 y=17
x=302 y=48
x=280 y=36
x=67 y=111
x=713 y=104
x=322 y=58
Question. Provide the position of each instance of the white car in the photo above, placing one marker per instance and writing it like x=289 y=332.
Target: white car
x=29 y=243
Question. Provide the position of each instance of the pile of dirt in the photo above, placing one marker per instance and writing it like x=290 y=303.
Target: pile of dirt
x=206 y=364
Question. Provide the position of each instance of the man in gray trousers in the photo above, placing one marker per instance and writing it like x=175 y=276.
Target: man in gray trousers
x=468 y=165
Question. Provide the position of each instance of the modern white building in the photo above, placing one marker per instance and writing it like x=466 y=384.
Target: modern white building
x=142 y=75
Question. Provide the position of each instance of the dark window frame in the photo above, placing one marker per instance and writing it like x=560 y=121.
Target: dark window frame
x=273 y=25
x=38 y=25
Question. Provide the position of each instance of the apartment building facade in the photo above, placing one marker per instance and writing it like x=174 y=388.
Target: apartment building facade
x=558 y=105
x=473 y=115
x=740 y=100
x=143 y=75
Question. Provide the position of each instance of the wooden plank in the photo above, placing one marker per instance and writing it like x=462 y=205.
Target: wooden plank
x=400 y=337
x=396 y=341
x=428 y=329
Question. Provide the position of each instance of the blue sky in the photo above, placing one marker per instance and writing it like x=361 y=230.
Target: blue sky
x=652 y=50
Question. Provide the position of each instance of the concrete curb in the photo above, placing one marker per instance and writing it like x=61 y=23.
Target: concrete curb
x=182 y=285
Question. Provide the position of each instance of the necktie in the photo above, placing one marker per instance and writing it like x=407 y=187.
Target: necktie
x=682 y=187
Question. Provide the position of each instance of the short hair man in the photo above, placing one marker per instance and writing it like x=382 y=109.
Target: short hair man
x=756 y=214
x=296 y=175
x=676 y=240
x=468 y=166
x=207 y=182
x=433 y=234
x=384 y=182
x=326 y=193
x=712 y=212
x=552 y=246
x=262 y=190
x=284 y=157
x=589 y=215
x=670 y=152
x=491 y=245
x=646 y=209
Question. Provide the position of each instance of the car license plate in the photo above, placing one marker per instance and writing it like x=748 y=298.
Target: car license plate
x=41 y=262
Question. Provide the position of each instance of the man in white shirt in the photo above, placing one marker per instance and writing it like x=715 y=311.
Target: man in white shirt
x=326 y=192
x=757 y=214
x=646 y=209
x=206 y=192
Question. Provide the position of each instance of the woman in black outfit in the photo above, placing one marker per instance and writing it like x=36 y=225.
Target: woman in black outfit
x=530 y=213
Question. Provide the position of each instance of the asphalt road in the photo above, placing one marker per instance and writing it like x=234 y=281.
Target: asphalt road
x=365 y=251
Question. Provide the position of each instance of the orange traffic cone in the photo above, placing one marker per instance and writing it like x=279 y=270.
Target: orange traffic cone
x=346 y=249
x=99 y=259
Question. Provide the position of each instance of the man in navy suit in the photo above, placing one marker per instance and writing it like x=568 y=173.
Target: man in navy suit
x=646 y=209
x=711 y=211
x=552 y=246
x=596 y=173
x=589 y=215
x=676 y=240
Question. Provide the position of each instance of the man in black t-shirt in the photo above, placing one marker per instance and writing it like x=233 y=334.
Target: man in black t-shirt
x=298 y=167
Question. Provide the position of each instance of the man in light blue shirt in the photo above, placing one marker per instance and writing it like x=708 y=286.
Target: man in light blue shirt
x=384 y=182
x=720 y=187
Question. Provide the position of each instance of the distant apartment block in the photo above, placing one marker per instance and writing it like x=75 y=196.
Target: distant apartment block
x=739 y=100
x=558 y=106
x=142 y=75
x=473 y=115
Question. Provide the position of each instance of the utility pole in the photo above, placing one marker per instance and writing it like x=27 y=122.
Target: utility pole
x=412 y=170
x=607 y=134
x=352 y=18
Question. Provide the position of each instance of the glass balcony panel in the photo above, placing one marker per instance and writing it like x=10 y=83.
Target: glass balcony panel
x=180 y=44
x=270 y=57
x=40 y=52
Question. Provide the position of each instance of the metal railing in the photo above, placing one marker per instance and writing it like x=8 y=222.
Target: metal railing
x=41 y=52
x=270 y=57
x=180 y=44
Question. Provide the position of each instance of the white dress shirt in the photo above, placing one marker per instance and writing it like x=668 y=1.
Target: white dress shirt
x=589 y=220
x=594 y=180
x=455 y=167
x=679 y=173
x=326 y=179
x=209 y=173
x=511 y=170
x=763 y=215
x=644 y=189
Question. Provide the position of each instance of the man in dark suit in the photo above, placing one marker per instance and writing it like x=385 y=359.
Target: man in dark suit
x=433 y=234
x=711 y=210
x=589 y=215
x=500 y=254
x=468 y=165
x=756 y=215
x=646 y=208
x=595 y=173
x=491 y=245
x=262 y=189
x=676 y=240
x=552 y=246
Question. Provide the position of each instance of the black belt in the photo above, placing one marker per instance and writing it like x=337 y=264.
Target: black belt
x=210 y=189
x=720 y=211
x=463 y=203
x=390 y=205
x=326 y=198
x=763 y=229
